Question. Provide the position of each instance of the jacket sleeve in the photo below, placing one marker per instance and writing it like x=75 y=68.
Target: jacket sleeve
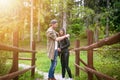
x=51 y=35
x=66 y=45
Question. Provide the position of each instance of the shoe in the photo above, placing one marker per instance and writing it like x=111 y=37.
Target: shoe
x=53 y=79
x=70 y=79
x=63 y=78
x=49 y=78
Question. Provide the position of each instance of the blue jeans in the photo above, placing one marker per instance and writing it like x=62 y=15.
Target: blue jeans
x=53 y=65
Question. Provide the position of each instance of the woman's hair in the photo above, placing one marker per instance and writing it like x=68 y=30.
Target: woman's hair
x=62 y=29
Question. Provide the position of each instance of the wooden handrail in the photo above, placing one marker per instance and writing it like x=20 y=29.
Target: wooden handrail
x=21 y=58
x=106 y=41
x=14 y=74
x=86 y=69
x=13 y=48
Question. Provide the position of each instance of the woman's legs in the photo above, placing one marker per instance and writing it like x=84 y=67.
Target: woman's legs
x=67 y=64
x=63 y=65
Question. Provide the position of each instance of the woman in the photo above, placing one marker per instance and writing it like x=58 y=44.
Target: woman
x=64 y=54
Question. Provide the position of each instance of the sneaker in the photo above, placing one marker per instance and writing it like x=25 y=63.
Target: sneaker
x=53 y=79
x=63 y=78
x=70 y=79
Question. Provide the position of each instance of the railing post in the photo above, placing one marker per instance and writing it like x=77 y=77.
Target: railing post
x=77 y=55
x=90 y=53
x=15 y=53
x=33 y=59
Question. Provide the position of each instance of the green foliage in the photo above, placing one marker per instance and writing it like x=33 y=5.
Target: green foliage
x=76 y=27
x=3 y=62
x=108 y=61
x=27 y=76
x=111 y=51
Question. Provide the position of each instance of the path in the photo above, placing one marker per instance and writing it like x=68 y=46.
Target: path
x=45 y=75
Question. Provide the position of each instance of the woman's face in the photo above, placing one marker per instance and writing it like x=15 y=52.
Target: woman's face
x=61 y=33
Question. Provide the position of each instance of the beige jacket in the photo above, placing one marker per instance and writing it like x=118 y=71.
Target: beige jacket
x=51 y=36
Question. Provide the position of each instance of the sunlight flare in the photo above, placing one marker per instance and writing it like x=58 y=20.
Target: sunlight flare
x=8 y=6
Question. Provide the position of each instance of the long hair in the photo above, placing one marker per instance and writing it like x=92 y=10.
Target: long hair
x=62 y=29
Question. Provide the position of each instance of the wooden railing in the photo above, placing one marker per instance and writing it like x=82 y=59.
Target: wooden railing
x=88 y=67
x=14 y=72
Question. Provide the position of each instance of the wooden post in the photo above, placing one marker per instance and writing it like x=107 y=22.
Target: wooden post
x=77 y=55
x=90 y=53
x=15 y=54
x=33 y=59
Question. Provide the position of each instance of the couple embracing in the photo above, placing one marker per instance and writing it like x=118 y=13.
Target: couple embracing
x=57 y=45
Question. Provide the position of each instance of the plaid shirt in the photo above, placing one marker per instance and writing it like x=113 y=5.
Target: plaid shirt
x=51 y=36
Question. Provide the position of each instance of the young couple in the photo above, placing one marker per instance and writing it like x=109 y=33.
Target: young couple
x=57 y=45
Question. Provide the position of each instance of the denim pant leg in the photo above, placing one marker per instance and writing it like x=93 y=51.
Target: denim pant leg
x=53 y=65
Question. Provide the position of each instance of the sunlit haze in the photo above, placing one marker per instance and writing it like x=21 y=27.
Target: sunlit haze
x=8 y=6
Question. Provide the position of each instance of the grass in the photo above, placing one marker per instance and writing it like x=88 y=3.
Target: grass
x=27 y=76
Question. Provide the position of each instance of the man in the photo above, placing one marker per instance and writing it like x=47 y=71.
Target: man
x=52 y=47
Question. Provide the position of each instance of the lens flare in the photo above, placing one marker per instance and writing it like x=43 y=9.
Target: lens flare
x=8 y=6
x=5 y=2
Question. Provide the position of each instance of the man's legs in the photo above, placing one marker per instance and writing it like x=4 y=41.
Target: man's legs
x=53 y=65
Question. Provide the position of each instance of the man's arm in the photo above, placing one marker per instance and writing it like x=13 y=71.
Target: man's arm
x=62 y=37
x=52 y=35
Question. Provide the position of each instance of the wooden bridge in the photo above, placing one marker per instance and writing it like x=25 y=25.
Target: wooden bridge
x=88 y=67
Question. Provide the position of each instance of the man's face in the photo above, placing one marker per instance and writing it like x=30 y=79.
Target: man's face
x=55 y=25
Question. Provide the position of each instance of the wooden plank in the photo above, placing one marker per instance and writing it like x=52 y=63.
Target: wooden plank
x=83 y=62
x=13 y=48
x=23 y=58
x=107 y=41
x=33 y=59
x=14 y=74
x=77 y=55
x=104 y=76
x=87 y=65
x=14 y=67
x=90 y=53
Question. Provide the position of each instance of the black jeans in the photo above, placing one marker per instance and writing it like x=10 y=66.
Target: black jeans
x=65 y=64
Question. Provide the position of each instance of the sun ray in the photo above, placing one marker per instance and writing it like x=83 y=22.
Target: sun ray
x=8 y=6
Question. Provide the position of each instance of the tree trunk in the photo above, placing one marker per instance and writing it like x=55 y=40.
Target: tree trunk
x=96 y=34
x=31 y=25
x=38 y=35
x=64 y=21
x=107 y=23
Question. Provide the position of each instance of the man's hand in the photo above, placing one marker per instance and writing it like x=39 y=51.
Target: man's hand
x=67 y=35
x=59 y=49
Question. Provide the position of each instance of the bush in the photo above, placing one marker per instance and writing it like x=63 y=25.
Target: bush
x=3 y=60
x=76 y=27
x=109 y=60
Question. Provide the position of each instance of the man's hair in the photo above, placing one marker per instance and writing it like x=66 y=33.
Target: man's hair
x=53 y=21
